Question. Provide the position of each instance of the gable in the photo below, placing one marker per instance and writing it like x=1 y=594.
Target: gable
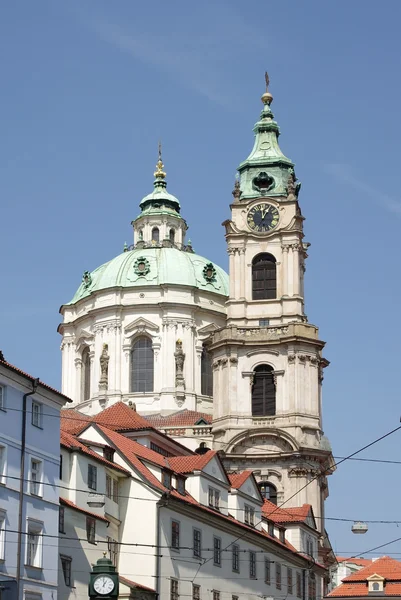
x=215 y=469
x=250 y=488
x=140 y=325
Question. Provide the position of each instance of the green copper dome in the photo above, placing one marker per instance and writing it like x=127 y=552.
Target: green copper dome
x=154 y=267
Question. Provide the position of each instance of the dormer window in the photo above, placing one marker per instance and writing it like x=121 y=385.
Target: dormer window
x=166 y=479
x=282 y=536
x=270 y=529
x=214 y=498
x=108 y=453
x=181 y=485
x=375 y=584
x=249 y=515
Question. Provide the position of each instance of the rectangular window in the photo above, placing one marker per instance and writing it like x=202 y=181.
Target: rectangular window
x=299 y=585
x=197 y=538
x=2 y=534
x=196 y=592
x=252 y=564
x=2 y=397
x=92 y=477
x=174 y=595
x=267 y=571
x=36 y=414
x=160 y=450
x=36 y=477
x=214 y=498
x=249 y=515
x=61 y=467
x=111 y=488
x=235 y=558
x=34 y=545
x=166 y=479
x=270 y=529
x=264 y=322
x=66 y=566
x=61 y=519
x=3 y=464
x=289 y=580
x=108 y=453
x=181 y=485
x=216 y=595
x=278 y=576
x=282 y=536
x=311 y=587
x=91 y=530
x=112 y=546
x=217 y=551
x=175 y=535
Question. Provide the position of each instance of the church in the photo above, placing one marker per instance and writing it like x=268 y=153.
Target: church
x=219 y=361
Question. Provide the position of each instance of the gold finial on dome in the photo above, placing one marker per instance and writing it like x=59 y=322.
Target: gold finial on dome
x=159 y=173
x=267 y=98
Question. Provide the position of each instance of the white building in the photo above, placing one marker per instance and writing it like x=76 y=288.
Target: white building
x=232 y=362
x=29 y=470
x=184 y=526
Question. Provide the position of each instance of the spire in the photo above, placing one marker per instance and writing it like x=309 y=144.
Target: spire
x=159 y=174
x=160 y=199
x=266 y=170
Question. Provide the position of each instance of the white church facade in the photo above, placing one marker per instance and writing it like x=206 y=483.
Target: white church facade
x=169 y=333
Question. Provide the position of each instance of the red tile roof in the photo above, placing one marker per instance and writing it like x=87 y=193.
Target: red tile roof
x=188 y=464
x=133 y=584
x=73 y=421
x=354 y=590
x=360 y=562
x=181 y=418
x=120 y=417
x=387 y=567
x=65 y=502
x=296 y=514
x=15 y=369
x=237 y=480
x=72 y=443
x=131 y=448
x=356 y=584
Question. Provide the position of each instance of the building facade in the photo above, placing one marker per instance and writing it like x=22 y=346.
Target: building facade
x=228 y=362
x=29 y=471
x=175 y=523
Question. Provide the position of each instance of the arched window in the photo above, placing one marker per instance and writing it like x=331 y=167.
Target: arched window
x=142 y=365
x=263 y=392
x=172 y=236
x=86 y=375
x=206 y=374
x=155 y=234
x=268 y=491
x=140 y=235
x=264 y=277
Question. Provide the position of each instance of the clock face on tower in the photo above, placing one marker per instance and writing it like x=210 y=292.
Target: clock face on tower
x=262 y=217
x=103 y=585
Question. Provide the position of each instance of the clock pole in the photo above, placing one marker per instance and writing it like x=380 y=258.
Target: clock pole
x=103 y=580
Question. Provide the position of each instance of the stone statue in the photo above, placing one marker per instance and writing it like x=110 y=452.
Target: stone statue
x=179 y=362
x=179 y=373
x=291 y=184
x=104 y=368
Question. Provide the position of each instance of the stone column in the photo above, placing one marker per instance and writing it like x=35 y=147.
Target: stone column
x=242 y=273
x=237 y=281
x=231 y=271
x=284 y=278
x=296 y=270
x=78 y=379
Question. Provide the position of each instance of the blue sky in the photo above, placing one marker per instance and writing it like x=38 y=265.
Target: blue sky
x=88 y=89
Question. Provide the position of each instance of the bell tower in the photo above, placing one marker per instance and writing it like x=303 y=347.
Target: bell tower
x=267 y=360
